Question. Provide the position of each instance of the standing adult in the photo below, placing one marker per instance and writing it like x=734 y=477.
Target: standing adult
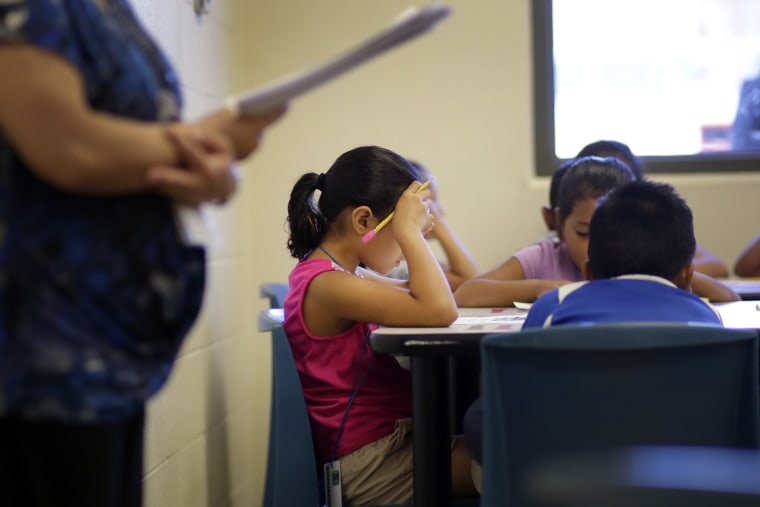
x=97 y=286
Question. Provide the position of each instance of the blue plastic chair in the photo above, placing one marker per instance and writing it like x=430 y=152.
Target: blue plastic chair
x=569 y=389
x=292 y=478
x=275 y=292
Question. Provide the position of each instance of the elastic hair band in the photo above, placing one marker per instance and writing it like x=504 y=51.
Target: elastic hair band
x=321 y=182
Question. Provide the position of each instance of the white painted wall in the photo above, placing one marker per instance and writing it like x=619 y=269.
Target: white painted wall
x=458 y=100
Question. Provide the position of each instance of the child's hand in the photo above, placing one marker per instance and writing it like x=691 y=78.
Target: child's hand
x=413 y=211
x=436 y=213
x=544 y=286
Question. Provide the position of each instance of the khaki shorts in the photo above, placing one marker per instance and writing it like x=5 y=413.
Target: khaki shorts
x=381 y=473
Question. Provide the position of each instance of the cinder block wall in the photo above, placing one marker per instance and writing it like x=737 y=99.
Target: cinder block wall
x=207 y=430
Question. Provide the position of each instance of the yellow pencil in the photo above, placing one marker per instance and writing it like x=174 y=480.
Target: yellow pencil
x=371 y=234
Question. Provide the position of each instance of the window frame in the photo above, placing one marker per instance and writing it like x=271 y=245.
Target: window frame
x=543 y=117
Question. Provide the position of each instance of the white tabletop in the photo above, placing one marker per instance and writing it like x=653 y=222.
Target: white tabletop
x=470 y=321
x=746 y=288
x=737 y=315
x=740 y=314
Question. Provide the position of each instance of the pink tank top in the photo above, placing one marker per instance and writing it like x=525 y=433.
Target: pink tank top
x=331 y=366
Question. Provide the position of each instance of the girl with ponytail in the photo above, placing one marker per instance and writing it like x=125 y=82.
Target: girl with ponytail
x=360 y=402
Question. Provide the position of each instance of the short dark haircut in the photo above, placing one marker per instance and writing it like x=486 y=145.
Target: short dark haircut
x=641 y=228
x=621 y=151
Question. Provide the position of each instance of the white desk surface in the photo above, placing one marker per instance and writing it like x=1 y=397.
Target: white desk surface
x=276 y=314
x=470 y=321
x=740 y=314
x=737 y=315
x=746 y=288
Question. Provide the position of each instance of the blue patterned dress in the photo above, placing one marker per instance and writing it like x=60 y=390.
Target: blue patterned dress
x=96 y=294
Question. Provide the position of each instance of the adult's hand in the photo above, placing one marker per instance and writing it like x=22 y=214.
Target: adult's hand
x=208 y=173
x=244 y=133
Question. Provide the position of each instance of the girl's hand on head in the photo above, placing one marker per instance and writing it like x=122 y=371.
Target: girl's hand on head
x=436 y=214
x=208 y=172
x=413 y=211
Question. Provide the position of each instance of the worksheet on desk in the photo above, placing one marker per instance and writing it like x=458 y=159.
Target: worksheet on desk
x=493 y=322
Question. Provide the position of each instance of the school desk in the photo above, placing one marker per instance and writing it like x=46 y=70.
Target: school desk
x=746 y=288
x=429 y=349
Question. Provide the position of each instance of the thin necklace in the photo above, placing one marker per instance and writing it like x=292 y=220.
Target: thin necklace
x=337 y=263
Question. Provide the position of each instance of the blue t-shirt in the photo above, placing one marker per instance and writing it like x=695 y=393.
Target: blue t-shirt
x=96 y=293
x=633 y=298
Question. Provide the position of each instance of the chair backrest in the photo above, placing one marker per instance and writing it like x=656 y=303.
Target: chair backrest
x=291 y=465
x=275 y=292
x=567 y=389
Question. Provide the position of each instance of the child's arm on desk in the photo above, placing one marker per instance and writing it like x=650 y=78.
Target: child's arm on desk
x=712 y=289
x=708 y=263
x=502 y=287
x=748 y=263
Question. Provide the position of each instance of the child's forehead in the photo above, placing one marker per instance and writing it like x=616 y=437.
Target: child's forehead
x=584 y=207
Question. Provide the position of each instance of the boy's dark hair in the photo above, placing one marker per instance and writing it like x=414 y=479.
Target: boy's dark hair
x=616 y=149
x=589 y=177
x=365 y=176
x=641 y=228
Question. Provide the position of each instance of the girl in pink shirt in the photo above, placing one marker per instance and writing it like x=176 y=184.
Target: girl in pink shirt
x=359 y=402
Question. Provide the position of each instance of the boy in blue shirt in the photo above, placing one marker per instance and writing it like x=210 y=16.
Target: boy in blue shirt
x=639 y=268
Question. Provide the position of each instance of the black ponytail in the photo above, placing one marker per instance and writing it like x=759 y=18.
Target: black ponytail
x=307 y=225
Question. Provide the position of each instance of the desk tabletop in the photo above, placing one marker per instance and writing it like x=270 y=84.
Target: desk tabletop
x=736 y=315
x=461 y=337
x=465 y=333
x=475 y=321
x=746 y=288
x=740 y=314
